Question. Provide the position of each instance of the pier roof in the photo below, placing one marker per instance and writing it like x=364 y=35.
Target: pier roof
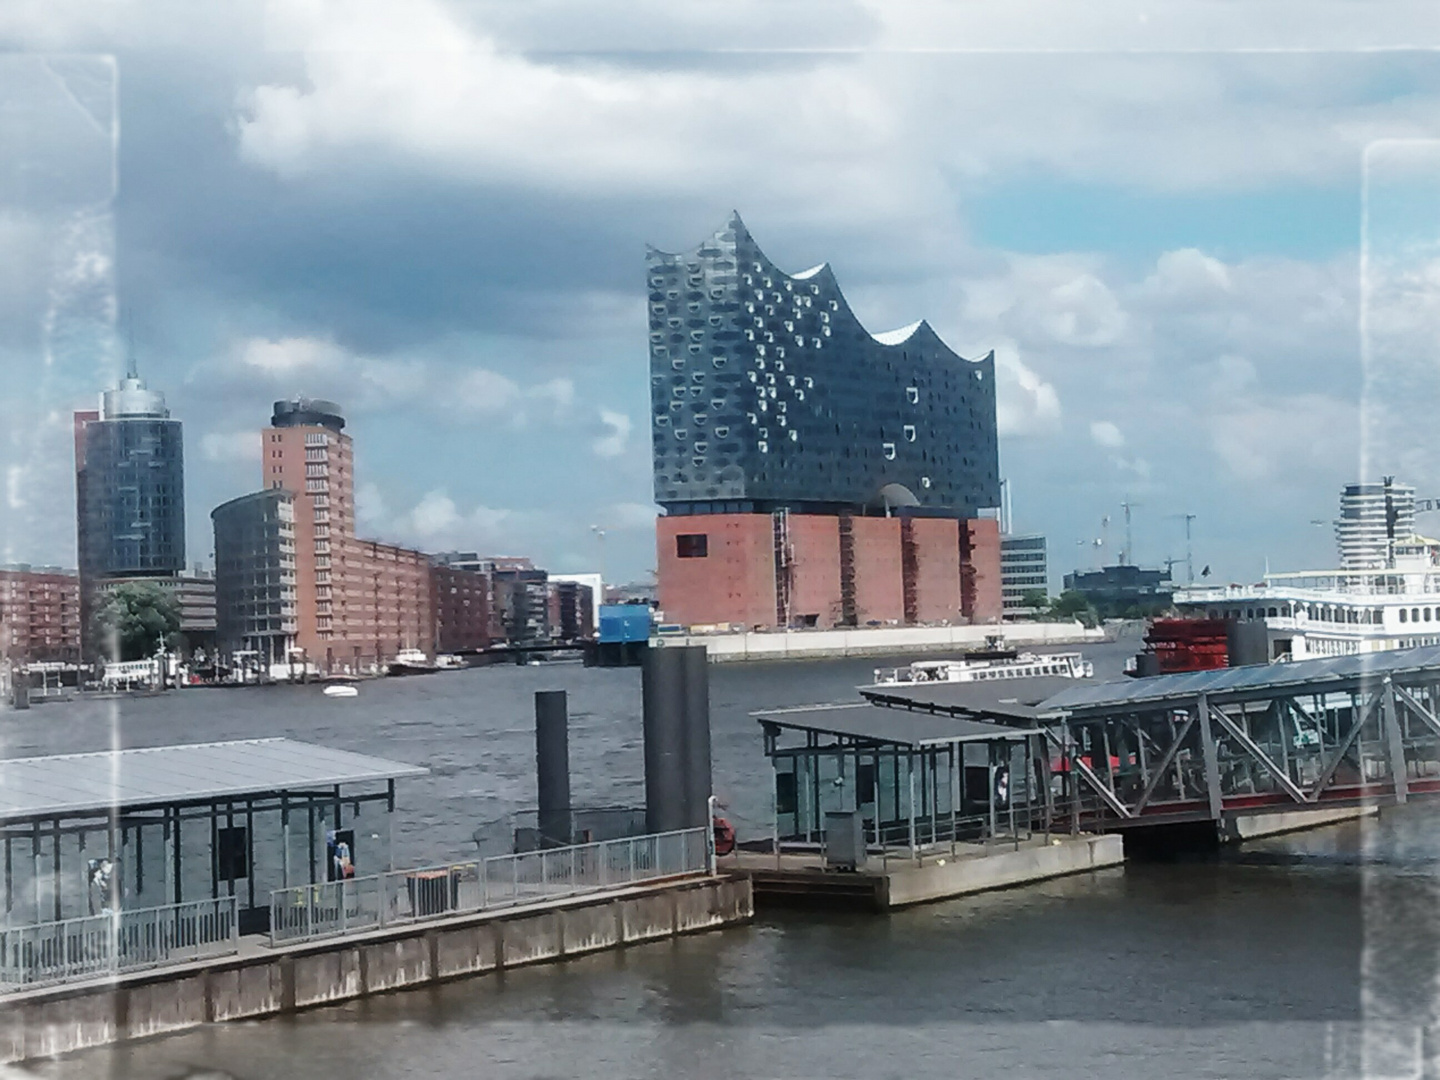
x=1331 y=673
x=868 y=722
x=63 y=784
x=1005 y=700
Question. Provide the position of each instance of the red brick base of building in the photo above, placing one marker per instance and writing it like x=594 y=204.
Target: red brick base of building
x=826 y=570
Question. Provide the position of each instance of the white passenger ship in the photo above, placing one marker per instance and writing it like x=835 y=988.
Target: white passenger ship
x=993 y=664
x=1336 y=612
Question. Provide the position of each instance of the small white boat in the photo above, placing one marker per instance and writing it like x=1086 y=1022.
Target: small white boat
x=340 y=690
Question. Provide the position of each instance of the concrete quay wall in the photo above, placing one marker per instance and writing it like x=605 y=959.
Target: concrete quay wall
x=1236 y=828
x=267 y=982
x=1002 y=869
x=877 y=641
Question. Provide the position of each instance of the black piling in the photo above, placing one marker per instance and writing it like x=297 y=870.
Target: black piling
x=552 y=766
x=676 y=692
x=697 y=737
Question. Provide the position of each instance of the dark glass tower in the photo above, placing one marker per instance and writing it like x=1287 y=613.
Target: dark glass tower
x=130 y=485
x=767 y=393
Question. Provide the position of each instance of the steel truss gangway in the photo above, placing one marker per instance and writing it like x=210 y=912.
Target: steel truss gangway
x=1344 y=731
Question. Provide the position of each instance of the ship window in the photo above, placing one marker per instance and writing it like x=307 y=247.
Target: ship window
x=1402 y=614
x=692 y=545
x=888 y=450
x=1414 y=614
x=910 y=435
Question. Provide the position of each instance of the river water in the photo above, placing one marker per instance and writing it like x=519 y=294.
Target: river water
x=1308 y=956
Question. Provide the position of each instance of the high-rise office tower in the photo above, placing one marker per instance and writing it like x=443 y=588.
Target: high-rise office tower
x=813 y=473
x=130 y=485
x=130 y=499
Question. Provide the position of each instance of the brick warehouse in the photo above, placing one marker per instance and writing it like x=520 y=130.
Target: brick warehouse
x=811 y=473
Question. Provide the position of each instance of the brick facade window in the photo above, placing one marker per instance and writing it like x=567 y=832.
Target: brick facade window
x=692 y=545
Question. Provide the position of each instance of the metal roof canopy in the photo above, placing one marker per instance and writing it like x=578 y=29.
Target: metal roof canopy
x=64 y=784
x=1332 y=673
x=881 y=725
x=1008 y=700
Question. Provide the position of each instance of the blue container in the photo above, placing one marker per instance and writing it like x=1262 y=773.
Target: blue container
x=624 y=622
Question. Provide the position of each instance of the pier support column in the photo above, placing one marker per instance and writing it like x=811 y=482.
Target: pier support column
x=1390 y=721
x=1212 y=759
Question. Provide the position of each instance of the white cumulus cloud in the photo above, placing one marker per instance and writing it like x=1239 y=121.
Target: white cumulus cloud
x=230 y=446
x=1106 y=434
x=613 y=442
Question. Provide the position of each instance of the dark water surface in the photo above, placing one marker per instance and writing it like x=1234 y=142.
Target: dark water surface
x=1307 y=956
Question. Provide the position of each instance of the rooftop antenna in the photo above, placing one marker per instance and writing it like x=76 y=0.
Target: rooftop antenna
x=132 y=369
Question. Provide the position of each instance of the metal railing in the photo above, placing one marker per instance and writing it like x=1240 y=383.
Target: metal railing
x=117 y=942
x=305 y=912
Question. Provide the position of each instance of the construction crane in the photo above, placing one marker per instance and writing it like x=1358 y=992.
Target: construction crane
x=1127 y=557
x=1189 y=548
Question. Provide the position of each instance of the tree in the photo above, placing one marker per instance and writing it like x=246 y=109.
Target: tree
x=1036 y=600
x=1074 y=605
x=135 y=619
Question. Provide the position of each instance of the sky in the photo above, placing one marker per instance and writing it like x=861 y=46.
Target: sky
x=1201 y=238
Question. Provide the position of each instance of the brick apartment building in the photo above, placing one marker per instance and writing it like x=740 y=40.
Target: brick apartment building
x=39 y=615
x=811 y=473
x=310 y=588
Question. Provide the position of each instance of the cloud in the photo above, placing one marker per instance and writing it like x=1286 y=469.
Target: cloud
x=289 y=356
x=612 y=444
x=1026 y=404
x=437 y=523
x=371 y=510
x=1309 y=437
x=1106 y=434
x=1188 y=274
x=483 y=393
x=230 y=445
x=631 y=516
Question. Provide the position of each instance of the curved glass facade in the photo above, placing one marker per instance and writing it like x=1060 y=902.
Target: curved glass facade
x=131 y=488
x=766 y=392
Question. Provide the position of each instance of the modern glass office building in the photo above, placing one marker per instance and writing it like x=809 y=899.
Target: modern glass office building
x=130 y=485
x=768 y=394
x=1023 y=573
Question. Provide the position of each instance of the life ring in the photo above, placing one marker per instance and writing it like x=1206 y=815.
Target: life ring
x=724 y=837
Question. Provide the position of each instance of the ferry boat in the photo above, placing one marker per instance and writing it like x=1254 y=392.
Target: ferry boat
x=986 y=665
x=1316 y=613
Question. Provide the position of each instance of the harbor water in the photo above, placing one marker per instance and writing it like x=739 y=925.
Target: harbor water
x=1312 y=955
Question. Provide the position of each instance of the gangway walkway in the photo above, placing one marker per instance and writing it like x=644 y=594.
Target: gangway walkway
x=1346 y=731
